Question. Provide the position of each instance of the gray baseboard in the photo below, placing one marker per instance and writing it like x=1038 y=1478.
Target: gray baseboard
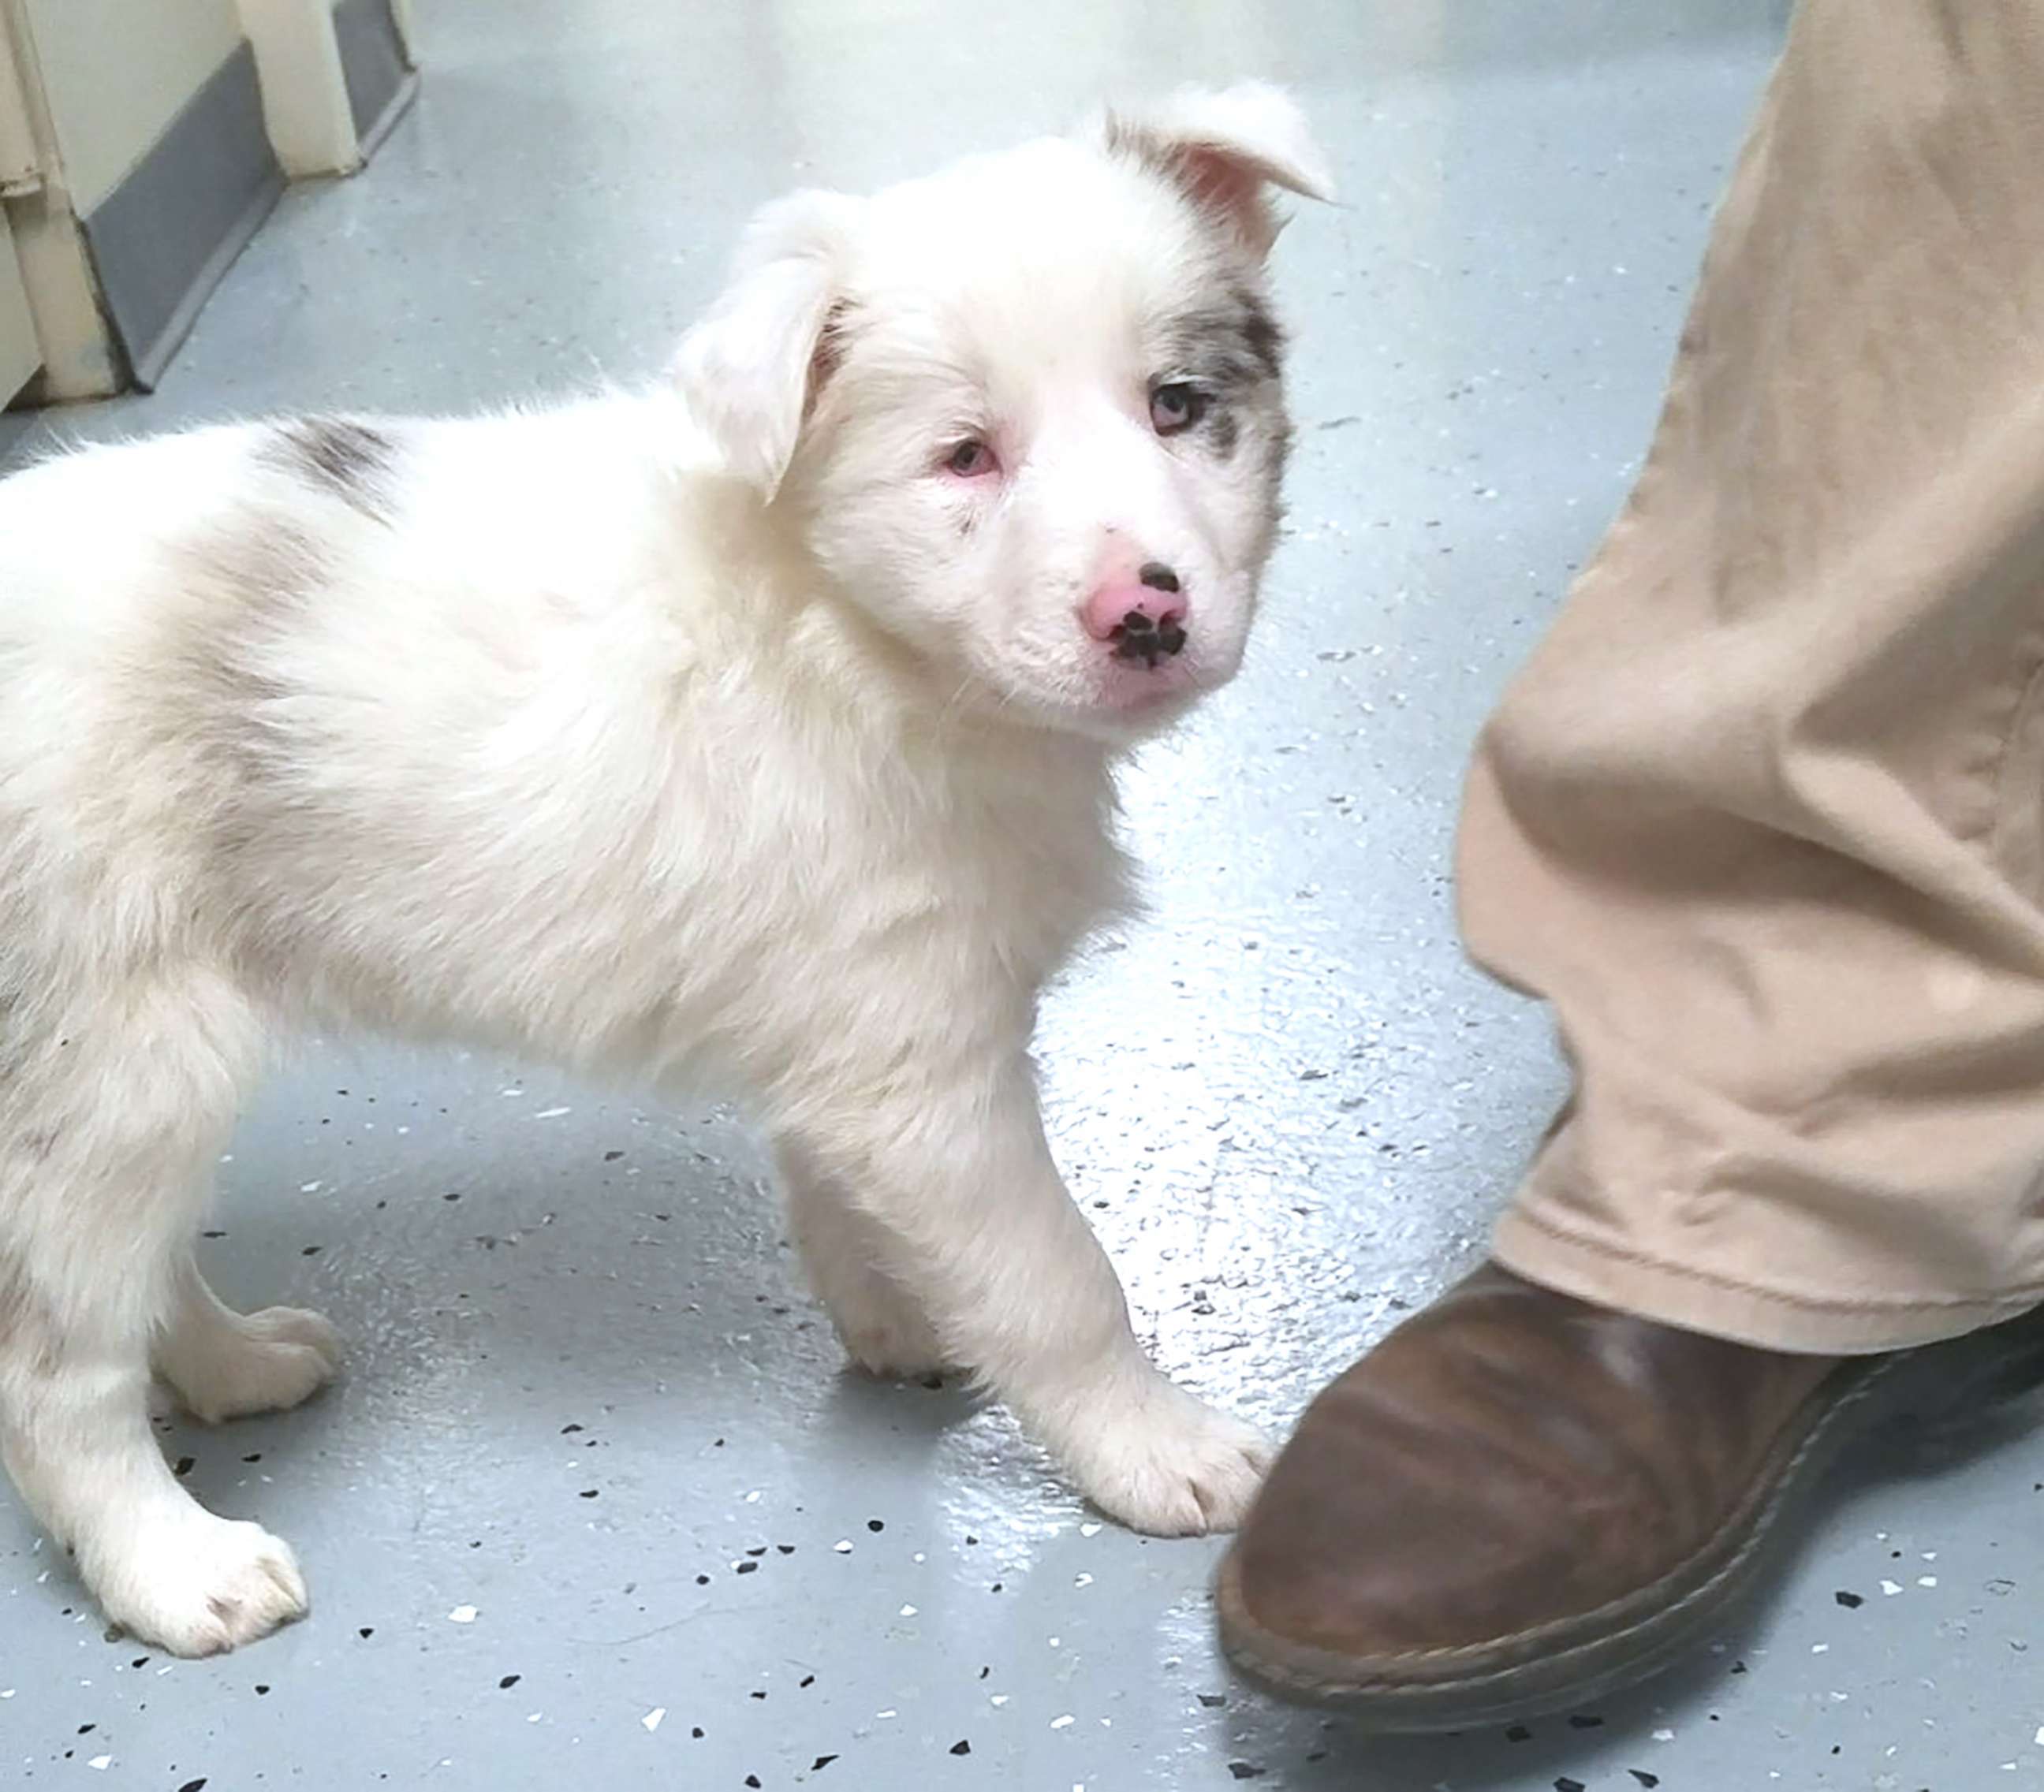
x=163 y=238
x=380 y=81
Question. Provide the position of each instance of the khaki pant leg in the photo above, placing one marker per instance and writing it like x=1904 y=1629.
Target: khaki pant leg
x=1761 y=818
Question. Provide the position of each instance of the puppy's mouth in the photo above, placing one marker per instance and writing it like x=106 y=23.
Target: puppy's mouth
x=1145 y=675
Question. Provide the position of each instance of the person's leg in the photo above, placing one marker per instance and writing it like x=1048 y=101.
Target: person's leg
x=1761 y=820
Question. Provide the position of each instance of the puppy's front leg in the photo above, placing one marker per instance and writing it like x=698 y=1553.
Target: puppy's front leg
x=979 y=1230
x=844 y=1253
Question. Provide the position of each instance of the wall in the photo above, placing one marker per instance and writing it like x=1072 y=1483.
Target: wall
x=118 y=71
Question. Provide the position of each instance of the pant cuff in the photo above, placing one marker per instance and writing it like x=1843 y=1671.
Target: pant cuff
x=1531 y=1244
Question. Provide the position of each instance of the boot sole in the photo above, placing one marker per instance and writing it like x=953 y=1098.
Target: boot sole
x=1564 y=1665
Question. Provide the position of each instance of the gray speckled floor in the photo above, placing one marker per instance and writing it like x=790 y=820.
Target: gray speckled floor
x=595 y=1503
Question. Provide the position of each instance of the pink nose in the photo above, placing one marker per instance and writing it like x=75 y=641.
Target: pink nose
x=1146 y=620
x=1109 y=610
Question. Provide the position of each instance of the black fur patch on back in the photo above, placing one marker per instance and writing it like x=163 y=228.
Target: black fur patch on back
x=350 y=460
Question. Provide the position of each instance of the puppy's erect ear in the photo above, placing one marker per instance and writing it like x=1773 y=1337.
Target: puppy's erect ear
x=749 y=369
x=1223 y=149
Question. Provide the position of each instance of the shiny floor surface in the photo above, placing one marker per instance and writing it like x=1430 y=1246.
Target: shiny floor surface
x=595 y=1505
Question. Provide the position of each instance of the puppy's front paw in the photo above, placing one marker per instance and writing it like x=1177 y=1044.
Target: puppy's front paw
x=267 y=1362
x=197 y=1585
x=1165 y=1462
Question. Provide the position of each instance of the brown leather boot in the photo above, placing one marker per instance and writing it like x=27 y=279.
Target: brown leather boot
x=1518 y=1502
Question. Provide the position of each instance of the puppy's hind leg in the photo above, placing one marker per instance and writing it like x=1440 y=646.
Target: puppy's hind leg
x=106 y=1138
x=882 y=1327
x=223 y=1365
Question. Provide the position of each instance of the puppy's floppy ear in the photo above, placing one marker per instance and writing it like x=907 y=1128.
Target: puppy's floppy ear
x=749 y=369
x=1223 y=149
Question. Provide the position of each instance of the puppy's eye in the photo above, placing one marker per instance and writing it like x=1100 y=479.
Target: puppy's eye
x=971 y=460
x=1175 y=405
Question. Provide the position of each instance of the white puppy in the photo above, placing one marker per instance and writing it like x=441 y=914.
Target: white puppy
x=757 y=730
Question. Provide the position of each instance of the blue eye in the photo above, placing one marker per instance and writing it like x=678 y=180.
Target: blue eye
x=1176 y=405
x=970 y=459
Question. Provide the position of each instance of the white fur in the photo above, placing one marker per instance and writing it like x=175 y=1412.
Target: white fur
x=715 y=734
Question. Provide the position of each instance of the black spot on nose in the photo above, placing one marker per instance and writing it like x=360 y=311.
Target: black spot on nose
x=1159 y=577
x=1136 y=636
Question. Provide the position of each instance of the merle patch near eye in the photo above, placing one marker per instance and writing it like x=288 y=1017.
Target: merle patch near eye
x=1231 y=343
x=1261 y=335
